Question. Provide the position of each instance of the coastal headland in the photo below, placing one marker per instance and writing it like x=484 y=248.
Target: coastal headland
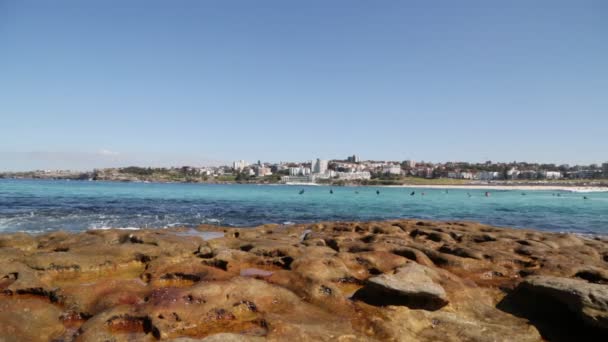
x=405 y=280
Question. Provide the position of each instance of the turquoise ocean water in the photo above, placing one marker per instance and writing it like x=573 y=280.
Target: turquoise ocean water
x=45 y=205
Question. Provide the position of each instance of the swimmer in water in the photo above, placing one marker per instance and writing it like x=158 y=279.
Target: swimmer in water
x=301 y=191
x=487 y=194
x=469 y=194
x=377 y=192
x=331 y=191
x=413 y=193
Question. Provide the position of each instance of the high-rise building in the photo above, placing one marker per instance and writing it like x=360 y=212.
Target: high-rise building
x=319 y=166
x=239 y=165
x=353 y=159
x=605 y=169
x=410 y=163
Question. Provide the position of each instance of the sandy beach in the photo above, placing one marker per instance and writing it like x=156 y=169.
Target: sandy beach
x=509 y=187
x=483 y=187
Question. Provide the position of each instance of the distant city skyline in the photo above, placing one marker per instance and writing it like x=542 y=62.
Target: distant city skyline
x=98 y=84
x=109 y=159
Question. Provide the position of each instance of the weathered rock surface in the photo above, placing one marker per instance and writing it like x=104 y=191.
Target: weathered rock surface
x=573 y=304
x=589 y=301
x=411 y=285
x=401 y=280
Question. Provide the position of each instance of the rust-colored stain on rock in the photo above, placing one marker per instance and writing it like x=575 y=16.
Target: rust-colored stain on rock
x=403 y=280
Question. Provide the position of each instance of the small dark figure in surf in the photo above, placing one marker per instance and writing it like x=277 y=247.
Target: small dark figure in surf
x=487 y=194
x=585 y=197
x=377 y=192
x=446 y=191
x=469 y=194
x=331 y=191
x=357 y=192
x=559 y=195
x=413 y=193
x=422 y=194
x=301 y=191
x=523 y=194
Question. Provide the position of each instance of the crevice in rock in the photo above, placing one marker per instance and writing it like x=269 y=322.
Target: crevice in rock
x=591 y=276
x=359 y=249
x=246 y=248
x=553 y=319
x=284 y=262
x=181 y=276
x=368 y=239
x=221 y=264
x=133 y=324
x=377 y=296
x=406 y=253
x=38 y=291
x=483 y=238
x=333 y=244
x=143 y=258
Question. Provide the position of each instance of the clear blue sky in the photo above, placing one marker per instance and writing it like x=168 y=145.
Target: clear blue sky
x=102 y=83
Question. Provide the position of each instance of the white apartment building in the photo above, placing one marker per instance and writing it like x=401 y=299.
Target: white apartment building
x=319 y=166
x=487 y=175
x=410 y=163
x=299 y=171
x=392 y=170
x=239 y=165
x=551 y=174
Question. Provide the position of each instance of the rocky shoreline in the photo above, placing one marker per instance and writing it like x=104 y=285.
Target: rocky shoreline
x=405 y=280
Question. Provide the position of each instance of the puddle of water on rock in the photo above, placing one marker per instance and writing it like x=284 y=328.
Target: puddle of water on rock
x=255 y=272
x=203 y=235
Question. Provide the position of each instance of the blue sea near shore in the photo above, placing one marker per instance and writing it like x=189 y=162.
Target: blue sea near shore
x=45 y=205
